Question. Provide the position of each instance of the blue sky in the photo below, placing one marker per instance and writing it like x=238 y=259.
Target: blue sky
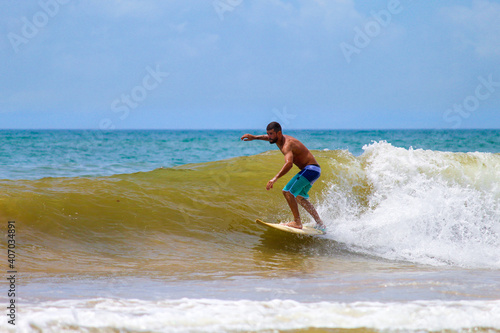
x=339 y=64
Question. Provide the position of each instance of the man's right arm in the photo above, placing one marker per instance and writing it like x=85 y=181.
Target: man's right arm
x=250 y=137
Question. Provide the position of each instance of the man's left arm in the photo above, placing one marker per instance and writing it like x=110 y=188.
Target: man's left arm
x=286 y=167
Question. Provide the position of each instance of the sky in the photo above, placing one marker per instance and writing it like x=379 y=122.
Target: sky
x=239 y=64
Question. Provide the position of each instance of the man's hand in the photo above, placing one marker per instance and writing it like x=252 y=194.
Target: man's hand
x=248 y=137
x=271 y=183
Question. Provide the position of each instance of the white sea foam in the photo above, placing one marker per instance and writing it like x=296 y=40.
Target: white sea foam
x=423 y=206
x=203 y=315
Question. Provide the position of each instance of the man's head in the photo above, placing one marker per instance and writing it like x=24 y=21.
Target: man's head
x=274 y=132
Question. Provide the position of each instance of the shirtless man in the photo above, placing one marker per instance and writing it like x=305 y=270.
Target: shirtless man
x=298 y=187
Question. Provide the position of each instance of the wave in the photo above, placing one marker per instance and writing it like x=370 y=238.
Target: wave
x=430 y=207
x=422 y=206
x=205 y=315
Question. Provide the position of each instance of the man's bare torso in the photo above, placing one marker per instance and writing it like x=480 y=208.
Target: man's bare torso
x=301 y=155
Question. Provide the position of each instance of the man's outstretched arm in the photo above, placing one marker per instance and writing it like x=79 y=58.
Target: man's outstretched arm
x=250 y=137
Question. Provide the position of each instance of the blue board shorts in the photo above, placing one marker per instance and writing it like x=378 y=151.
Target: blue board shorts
x=302 y=182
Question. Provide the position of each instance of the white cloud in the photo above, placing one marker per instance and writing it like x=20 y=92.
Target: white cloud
x=476 y=27
x=127 y=8
x=330 y=15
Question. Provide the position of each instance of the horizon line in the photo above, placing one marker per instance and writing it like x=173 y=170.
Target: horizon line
x=245 y=129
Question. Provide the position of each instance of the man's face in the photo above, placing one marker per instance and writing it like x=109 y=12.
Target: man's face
x=273 y=136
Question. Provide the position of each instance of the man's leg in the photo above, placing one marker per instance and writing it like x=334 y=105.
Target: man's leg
x=311 y=210
x=292 y=202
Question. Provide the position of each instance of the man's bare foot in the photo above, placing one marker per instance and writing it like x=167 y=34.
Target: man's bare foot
x=320 y=227
x=292 y=224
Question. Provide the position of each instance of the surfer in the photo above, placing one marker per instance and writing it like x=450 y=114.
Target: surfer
x=296 y=191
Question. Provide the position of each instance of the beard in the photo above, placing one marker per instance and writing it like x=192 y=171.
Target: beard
x=273 y=141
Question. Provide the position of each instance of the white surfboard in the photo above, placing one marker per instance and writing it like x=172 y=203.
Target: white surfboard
x=304 y=231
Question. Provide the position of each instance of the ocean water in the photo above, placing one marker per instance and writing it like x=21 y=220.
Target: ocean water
x=154 y=231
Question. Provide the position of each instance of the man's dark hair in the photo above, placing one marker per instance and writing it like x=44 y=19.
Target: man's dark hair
x=274 y=126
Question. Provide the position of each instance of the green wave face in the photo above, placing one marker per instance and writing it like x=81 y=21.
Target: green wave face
x=167 y=218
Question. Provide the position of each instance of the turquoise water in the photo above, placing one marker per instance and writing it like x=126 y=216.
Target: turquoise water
x=33 y=154
x=118 y=232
